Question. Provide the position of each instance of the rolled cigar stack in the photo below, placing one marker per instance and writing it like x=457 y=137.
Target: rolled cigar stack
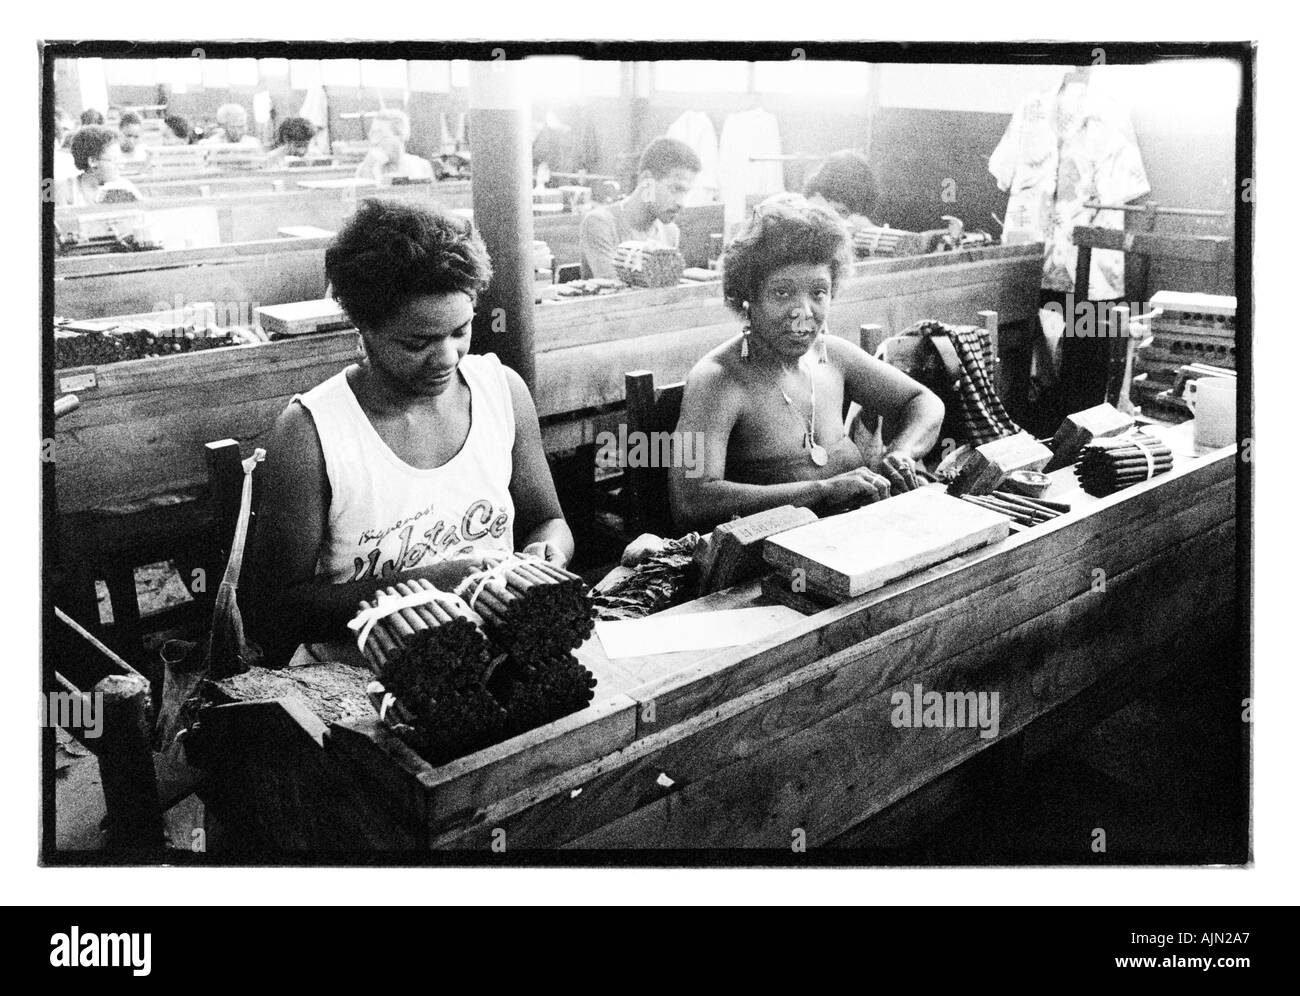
x=873 y=241
x=538 y=691
x=434 y=659
x=1109 y=465
x=1022 y=509
x=535 y=610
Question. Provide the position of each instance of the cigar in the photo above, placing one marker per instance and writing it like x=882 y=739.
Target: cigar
x=400 y=627
x=1036 y=511
x=1024 y=520
x=1006 y=506
x=1051 y=506
x=378 y=648
x=407 y=615
x=425 y=612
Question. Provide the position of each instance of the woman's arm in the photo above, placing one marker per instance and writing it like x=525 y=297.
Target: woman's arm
x=538 y=515
x=912 y=412
x=288 y=603
x=699 y=495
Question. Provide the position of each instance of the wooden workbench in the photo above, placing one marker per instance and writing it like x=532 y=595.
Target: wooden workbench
x=255 y=267
x=742 y=747
x=140 y=431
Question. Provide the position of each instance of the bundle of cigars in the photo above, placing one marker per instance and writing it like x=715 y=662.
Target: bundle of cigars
x=457 y=678
x=531 y=608
x=1111 y=464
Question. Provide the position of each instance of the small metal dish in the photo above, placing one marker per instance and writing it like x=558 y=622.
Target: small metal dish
x=1027 y=482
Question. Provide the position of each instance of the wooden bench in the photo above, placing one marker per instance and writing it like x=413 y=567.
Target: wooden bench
x=792 y=733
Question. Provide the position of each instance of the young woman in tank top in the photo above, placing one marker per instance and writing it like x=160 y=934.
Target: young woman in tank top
x=420 y=461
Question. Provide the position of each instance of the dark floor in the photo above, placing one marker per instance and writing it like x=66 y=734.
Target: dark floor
x=1162 y=778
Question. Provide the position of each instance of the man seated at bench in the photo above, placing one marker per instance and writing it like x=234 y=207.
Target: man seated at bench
x=767 y=406
x=665 y=175
x=131 y=127
x=232 y=120
x=388 y=159
x=292 y=139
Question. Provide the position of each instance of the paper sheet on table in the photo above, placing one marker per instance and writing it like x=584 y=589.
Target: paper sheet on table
x=693 y=631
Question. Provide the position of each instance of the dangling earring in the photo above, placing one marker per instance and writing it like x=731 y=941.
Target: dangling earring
x=744 y=342
x=821 y=346
x=361 y=348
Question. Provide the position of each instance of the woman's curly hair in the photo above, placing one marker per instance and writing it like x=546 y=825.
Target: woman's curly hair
x=390 y=251
x=784 y=229
x=89 y=142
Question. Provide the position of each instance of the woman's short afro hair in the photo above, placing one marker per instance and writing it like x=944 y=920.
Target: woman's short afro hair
x=390 y=251
x=89 y=142
x=784 y=229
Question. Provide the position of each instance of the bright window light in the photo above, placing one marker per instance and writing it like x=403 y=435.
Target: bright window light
x=304 y=74
x=389 y=74
x=428 y=76
x=243 y=72
x=180 y=72
x=340 y=72
x=810 y=76
x=560 y=77
x=701 y=76
x=130 y=72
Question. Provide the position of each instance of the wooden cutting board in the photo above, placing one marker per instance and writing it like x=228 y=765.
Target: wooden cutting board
x=846 y=555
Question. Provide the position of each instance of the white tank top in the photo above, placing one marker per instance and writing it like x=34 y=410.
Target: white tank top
x=386 y=516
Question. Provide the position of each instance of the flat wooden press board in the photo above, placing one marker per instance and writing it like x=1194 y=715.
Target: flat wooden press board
x=846 y=555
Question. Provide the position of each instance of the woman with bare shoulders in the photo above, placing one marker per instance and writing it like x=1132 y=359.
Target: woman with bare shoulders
x=768 y=404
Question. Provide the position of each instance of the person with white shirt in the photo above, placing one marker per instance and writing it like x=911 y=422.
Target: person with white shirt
x=666 y=174
x=388 y=159
x=233 y=130
x=130 y=127
x=97 y=155
x=420 y=461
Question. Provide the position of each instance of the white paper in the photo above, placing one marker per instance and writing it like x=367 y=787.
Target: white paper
x=693 y=630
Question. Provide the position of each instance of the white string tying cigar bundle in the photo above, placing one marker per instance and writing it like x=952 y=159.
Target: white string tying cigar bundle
x=1143 y=444
x=494 y=575
x=387 y=605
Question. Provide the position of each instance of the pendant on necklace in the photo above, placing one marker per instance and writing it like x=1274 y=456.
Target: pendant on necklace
x=819 y=455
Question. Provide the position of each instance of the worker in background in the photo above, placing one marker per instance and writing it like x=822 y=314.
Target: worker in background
x=97 y=154
x=665 y=175
x=292 y=138
x=388 y=159
x=90 y=116
x=232 y=120
x=176 y=130
x=844 y=183
x=131 y=128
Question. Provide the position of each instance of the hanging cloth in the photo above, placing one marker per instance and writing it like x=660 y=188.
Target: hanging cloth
x=1064 y=147
x=695 y=128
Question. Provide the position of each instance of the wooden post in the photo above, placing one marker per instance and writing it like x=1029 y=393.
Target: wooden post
x=638 y=123
x=989 y=320
x=502 y=187
x=126 y=768
x=639 y=386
